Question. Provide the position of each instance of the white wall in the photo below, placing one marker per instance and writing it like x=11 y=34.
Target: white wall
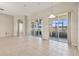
x=6 y=25
x=58 y=9
x=78 y=26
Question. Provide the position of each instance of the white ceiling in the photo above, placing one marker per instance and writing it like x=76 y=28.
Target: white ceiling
x=24 y=8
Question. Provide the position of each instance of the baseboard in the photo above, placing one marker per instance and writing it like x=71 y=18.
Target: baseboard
x=5 y=37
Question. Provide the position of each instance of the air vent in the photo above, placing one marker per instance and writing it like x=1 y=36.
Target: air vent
x=1 y=9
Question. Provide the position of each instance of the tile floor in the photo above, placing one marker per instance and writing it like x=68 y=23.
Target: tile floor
x=33 y=46
x=64 y=40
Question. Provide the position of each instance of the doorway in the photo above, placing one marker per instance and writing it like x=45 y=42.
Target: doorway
x=58 y=28
x=20 y=28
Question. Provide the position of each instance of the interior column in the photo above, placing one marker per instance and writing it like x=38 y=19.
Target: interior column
x=45 y=31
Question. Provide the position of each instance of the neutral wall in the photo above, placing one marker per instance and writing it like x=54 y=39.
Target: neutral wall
x=26 y=24
x=6 y=25
x=58 y=9
x=78 y=27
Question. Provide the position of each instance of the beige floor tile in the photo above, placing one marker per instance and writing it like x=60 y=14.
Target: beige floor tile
x=33 y=46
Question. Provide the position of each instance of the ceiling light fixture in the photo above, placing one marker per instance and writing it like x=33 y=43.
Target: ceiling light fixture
x=52 y=16
x=25 y=5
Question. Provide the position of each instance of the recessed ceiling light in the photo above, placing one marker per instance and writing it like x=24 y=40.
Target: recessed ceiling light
x=25 y=5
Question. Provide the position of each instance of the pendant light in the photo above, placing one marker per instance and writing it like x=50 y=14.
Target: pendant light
x=51 y=15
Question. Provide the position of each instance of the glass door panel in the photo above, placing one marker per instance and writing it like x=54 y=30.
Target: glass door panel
x=63 y=24
x=58 y=28
x=53 y=31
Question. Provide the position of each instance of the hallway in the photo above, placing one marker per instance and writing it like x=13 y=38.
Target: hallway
x=33 y=46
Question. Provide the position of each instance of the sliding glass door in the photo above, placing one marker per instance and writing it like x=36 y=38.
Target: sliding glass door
x=58 y=28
